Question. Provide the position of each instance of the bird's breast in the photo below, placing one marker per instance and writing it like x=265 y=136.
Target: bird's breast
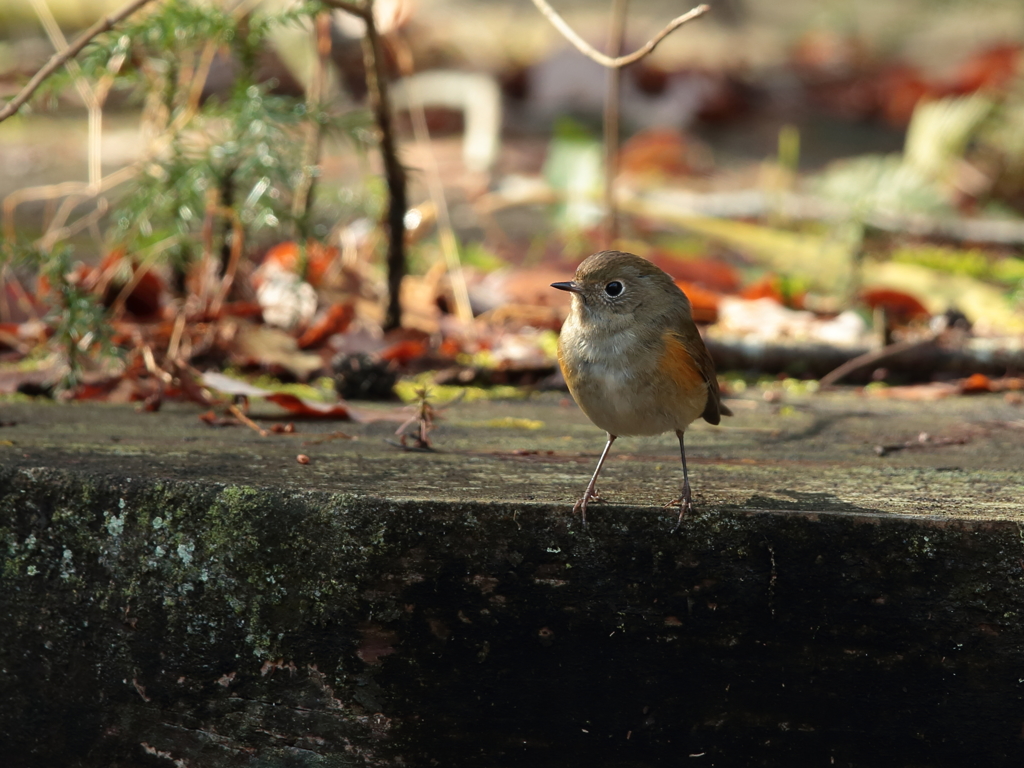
x=629 y=385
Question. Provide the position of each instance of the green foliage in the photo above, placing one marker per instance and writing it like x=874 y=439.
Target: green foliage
x=237 y=156
x=972 y=263
x=81 y=328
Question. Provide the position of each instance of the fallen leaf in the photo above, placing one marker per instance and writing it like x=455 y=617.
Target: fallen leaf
x=936 y=390
x=766 y=320
x=270 y=347
x=826 y=262
x=142 y=288
x=310 y=262
x=991 y=69
x=703 y=302
x=900 y=307
x=405 y=351
x=976 y=383
x=241 y=309
x=986 y=306
x=900 y=87
x=36 y=380
x=229 y=386
x=712 y=274
x=658 y=152
x=772 y=287
x=210 y=417
x=335 y=320
x=301 y=407
x=291 y=403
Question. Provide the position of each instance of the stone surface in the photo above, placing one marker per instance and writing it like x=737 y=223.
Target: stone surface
x=173 y=593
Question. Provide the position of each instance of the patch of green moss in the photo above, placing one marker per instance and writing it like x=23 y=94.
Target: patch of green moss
x=440 y=395
x=973 y=262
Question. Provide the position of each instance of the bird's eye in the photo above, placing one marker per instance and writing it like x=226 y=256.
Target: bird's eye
x=614 y=288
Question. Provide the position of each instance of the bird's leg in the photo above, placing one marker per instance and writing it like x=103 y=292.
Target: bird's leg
x=591 y=493
x=685 y=500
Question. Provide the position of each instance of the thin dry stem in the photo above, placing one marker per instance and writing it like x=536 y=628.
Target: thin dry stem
x=237 y=413
x=15 y=290
x=53 y=236
x=52 y=191
x=377 y=87
x=617 y=61
x=314 y=98
x=616 y=38
x=88 y=190
x=140 y=271
x=89 y=96
x=61 y=57
x=233 y=260
x=435 y=186
x=873 y=357
x=174 y=344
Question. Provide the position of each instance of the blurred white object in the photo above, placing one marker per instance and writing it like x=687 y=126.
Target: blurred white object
x=767 y=320
x=567 y=82
x=477 y=96
x=388 y=15
x=287 y=301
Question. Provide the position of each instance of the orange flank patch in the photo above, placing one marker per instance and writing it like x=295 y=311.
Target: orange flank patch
x=678 y=365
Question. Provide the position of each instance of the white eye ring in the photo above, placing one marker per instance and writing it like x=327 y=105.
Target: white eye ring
x=614 y=288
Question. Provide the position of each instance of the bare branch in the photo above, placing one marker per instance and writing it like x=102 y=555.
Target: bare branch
x=873 y=357
x=394 y=173
x=616 y=38
x=62 y=57
x=620 y=61
x=316 y=95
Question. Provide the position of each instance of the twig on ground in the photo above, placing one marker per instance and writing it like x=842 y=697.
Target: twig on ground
x=328 y=438
x=237 y=413
x=924 y=440
x=422 y=421
x=872 y=357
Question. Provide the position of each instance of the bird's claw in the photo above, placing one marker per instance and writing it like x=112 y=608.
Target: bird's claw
x=580 y=506
x=685 y=504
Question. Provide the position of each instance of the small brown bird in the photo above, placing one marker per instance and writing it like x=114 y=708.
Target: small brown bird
x=633 y=357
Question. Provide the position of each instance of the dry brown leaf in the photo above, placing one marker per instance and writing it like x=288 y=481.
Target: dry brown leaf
x=270 y=347
x=936 y=390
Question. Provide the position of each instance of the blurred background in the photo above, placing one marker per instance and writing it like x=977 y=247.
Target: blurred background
x=207 y=190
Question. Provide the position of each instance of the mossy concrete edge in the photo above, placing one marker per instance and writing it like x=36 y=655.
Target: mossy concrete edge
x=232 y=625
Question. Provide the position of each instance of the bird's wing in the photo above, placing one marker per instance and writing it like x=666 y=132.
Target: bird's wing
x=694 y=344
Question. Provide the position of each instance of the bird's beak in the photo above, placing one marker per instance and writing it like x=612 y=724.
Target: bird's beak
x=569 y=286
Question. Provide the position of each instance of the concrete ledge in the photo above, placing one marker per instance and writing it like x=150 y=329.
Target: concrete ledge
x=147 y=619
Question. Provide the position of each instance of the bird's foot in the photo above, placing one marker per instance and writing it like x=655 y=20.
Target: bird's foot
x=591 y=495
x=685 y=504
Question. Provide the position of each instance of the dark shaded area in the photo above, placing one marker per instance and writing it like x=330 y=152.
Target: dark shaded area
x=922 y=363
x=143 y=621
